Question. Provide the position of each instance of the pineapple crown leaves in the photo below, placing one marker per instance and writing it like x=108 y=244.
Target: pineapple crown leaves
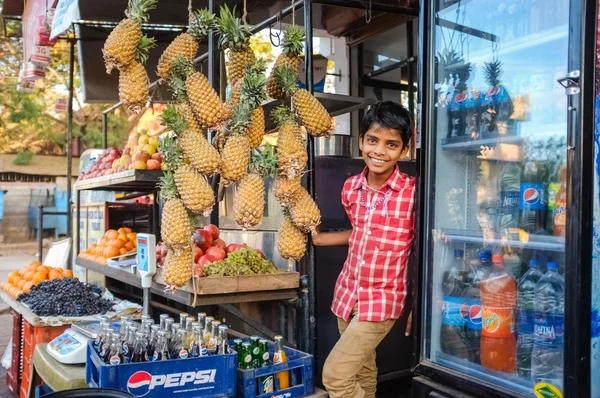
x=240 y=121
x=182 y=67
x=143 y=48
x=282 y=115
x=287 y=79
x=137 y=10
x=177 y=86
x=253 y=90
x=168 y=189
x=492 y=72
x=172 y=154
x=235 y=35
x=173 y=120
x=293 y=40
x=264 y=162
x=202 y=22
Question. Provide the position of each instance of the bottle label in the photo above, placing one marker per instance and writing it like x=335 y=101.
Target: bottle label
x=183 y=354
x=526 y=320
x=277 y=357
x=548 y=330
x=268 y=384
x=451 y=310
x=474 y=314
x=115 y=360
x=509 y=200
x=265 y=356
x=497 y=322
x=533 y=196
x=560 y=216
x=552 y=191
x=256 y=350
x=248 y=358
x=125 y=349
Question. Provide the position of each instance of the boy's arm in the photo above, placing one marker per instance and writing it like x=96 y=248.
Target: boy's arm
x=331 y=238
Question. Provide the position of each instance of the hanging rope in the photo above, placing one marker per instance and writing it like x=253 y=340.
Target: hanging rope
x=245 y=12
x=190 y=12
x=293 y=12
x=273 y=36
x=368 y=11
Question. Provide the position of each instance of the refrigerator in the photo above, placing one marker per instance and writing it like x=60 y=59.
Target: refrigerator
x=508 y=283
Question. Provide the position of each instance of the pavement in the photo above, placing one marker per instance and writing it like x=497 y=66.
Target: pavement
x=9 y=261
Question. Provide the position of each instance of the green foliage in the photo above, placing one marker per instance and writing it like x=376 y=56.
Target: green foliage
x=23 y=158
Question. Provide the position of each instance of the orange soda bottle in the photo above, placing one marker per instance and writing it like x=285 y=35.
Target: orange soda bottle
x=279 y=357
x=498 y=298
x=560 y=210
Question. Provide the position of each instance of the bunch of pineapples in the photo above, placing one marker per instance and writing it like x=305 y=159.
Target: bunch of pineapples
x=126 y=49
x=235 y=37
x=292 y=45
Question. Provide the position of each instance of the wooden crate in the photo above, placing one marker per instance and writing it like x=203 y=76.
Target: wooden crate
x=13 y=374
x=238 y=284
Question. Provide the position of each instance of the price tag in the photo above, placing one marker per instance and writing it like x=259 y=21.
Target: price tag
x=40 y=56
x=61 y=105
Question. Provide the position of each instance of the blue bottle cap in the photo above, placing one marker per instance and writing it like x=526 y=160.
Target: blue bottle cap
x=458 y=253
x=533 y=263
x=552 y=265
x=485 y=256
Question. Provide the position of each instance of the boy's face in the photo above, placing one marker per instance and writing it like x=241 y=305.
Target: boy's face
x=381 y=149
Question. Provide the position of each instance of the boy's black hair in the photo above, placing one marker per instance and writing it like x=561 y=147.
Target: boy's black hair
x=390 y=115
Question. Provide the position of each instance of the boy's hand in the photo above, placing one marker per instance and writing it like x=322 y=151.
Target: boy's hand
x=408 y=329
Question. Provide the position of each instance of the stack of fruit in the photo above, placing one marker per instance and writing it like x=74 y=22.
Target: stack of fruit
x=141 y=153
x=127 y=49
x=22 y=281
x=115 y=243
x=104 y=165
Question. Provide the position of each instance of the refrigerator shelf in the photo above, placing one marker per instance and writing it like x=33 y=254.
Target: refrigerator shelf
x=535 y=242
x=464 y=144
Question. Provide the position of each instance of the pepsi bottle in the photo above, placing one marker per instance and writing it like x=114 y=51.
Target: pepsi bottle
x=452 y=331
x=533 y=199
x=473 y=313
x=508 y=209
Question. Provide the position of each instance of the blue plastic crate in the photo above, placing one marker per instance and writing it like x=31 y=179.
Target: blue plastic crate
x=42 y=390
x=210 y=376
x=299 y=364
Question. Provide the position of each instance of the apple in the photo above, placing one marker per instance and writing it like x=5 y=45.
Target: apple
x=216 y=252
x=213 y=229
x=157 y=156
x=126 y=151
x=207 y=258
x=152 y=164
x=143 y=140
x=137 y=165
x=261 y=253
x=199 y=270
x=141 y=156
x=197 y=253
x=220 y=243
x=233 y=247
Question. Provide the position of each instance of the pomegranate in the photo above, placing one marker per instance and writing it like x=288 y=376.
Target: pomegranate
x=216 y=252
x=213 y=229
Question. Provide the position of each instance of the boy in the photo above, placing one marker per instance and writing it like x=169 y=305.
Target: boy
x=370 y=292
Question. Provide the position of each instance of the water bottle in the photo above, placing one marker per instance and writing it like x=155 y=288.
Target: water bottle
x=547 y=355
x=508 y=209
x=525 y=318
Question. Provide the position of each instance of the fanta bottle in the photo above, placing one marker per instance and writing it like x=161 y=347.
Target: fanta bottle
x=498 y=340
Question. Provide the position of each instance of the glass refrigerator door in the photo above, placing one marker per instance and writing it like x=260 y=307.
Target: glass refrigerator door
x=497 y=192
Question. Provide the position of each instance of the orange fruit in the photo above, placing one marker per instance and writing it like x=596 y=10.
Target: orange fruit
x=27 y=287
x=29 y=275
x=18 y=292
x=129 y=246
x=122 y=251
x=34 y=264
x=21 y=283
x=55 y=274
x=16 y=280
x=12 y=291
x=123 y=237
x=111 y=234
x=3 y=285
x=68 y=273
x=42 y=268
x=23 y=270
x=12 y=276
x=38 y=277
x=8 y=286
x=124 y=230
x=132 y=236
x=103 y=242
x=119 y=243
x=112 y=252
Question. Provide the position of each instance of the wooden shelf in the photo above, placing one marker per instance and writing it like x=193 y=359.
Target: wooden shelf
x=126 y=181
x=264 y=289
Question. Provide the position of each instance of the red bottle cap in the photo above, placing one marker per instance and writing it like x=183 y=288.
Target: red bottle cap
x=497 y=258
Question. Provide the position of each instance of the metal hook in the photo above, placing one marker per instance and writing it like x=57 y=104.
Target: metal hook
x=275 y=35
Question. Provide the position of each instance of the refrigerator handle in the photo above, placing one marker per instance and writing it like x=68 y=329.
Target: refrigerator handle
x=571 y=84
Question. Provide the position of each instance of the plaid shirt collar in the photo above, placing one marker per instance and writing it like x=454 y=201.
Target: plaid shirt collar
x=396 y=181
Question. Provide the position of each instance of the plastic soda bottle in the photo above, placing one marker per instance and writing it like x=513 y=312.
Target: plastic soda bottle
x=267 y=382
x=533 y=201
x=498 y=340
x=476 y=273
x=452 y=331
x=279 y=357
x=547 y=356
x=510 y=187
x=560 y=208
x=525 y=318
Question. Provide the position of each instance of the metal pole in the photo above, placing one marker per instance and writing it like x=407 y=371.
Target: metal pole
x=70 y=133
x=104 y=130
x=283 y=322
x=146 y=301
x=78 y=218
x=214 y=77
x=308 y=58
x=40 y=229
x=374 y=6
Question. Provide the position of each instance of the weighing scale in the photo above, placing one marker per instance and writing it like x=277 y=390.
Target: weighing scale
x=71 y=346
x=146 y=265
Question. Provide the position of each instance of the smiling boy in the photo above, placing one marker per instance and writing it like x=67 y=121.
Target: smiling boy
x=371 y=290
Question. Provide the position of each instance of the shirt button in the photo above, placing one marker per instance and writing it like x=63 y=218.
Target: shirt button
x=362 y=262
x=369 y=233
x=361 y=288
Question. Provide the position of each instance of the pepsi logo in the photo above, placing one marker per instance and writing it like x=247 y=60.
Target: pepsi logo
x=464 y=311
x=475 y=314
x=492 y=91
x=139 y=383
x=531 y=196
x=460 y=97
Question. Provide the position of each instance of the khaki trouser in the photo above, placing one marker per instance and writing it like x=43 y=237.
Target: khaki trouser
x=350 y=370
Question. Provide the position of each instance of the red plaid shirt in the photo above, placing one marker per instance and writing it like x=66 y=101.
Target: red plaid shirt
x=375 y=272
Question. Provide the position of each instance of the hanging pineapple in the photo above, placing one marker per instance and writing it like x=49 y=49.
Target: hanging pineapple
x=312 y=114
x=201 y=155
x=292 y=45
x=233 y=99
x=291 y=149
x=235 y=36
x=186 y=44
x=249 y=201
x=187 y=83
x=285 y=188
x=175 y=227
x=249 y=88
x=253 y=92
x=291 y=242
x=304 y=211
x=133 y=87
x=235 y=155
x=126 y=43
x=178 y=266
x=195 y=191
